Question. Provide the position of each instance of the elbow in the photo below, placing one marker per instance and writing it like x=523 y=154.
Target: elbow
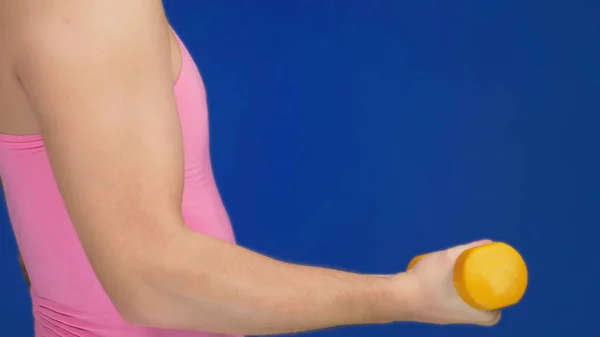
x=144 y=294
x=134 y=316
x=142 y=306
x=144 y=288
x=128 y=286
x=144 y=318
x=141 y=282
x=132 y=303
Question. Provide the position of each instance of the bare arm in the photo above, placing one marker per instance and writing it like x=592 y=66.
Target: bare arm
x=97 y=74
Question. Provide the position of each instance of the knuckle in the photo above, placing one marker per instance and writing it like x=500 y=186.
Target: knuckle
x=493 y=318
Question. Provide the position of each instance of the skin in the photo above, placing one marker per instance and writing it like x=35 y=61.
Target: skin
x=155 y=270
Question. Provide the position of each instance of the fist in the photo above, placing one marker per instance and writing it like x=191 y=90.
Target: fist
x=436 y=299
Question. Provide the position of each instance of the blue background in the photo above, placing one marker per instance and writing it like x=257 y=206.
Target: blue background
x=356 y=134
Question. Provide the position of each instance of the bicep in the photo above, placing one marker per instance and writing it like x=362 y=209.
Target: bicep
x=98 y=80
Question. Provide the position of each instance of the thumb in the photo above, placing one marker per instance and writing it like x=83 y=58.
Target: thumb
x=454 y=252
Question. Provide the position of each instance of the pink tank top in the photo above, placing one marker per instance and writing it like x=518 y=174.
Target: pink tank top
x=68 y=300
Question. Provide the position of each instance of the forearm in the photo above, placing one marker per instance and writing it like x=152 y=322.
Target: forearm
x=210 y=285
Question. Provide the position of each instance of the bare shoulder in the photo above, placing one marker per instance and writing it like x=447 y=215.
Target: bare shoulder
x=58 y=26
x=40 y=38
x=35 y=23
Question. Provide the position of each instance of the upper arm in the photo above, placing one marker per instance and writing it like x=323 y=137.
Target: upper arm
x=98 y=77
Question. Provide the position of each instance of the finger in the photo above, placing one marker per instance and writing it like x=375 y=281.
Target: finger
x=491 y=318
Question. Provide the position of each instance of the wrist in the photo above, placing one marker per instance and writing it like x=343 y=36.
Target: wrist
x=406 y=292
x=384 y=299
x=399 y=299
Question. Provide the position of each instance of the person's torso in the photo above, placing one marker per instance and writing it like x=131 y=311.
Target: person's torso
x=68 y=300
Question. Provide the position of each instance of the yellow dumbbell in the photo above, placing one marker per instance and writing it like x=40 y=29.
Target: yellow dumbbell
x=489 y=277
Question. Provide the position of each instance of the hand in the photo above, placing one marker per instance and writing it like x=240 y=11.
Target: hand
x=436 y=299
